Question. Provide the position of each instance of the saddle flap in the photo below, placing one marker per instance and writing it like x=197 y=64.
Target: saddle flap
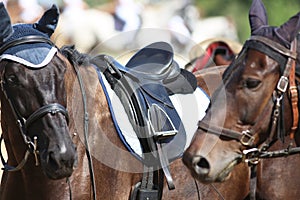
x=157 y=92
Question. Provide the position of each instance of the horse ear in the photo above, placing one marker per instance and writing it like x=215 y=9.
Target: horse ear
x=48 y=21
x=289 y=30
x=257 y=15
x=5 y=24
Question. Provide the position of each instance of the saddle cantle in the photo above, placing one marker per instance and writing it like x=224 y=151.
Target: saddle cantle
x=143 y=86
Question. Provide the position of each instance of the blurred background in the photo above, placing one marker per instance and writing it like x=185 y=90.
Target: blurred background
x=87 y=23
x=278 y=11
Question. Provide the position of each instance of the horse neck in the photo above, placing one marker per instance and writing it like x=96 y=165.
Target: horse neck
x=76 y=124
x=31 y=183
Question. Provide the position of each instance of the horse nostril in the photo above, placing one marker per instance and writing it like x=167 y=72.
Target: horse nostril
x=52 y=160
x=201 y=166
x=58 y=160
x=203 y=163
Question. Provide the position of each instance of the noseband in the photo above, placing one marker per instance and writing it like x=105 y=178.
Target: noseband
x=23 y=123
x=249 y=136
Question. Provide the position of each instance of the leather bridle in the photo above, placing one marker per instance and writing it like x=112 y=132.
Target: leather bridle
x=52 y=108
x=23 y=123
x=248 y=137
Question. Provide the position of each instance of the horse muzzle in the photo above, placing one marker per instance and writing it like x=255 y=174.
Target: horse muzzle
x=58 y=163
x=206 y=170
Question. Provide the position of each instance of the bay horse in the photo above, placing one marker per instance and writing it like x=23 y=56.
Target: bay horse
x=65 y=128
x=254 y=114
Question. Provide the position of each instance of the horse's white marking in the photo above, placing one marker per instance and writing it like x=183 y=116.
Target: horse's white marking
x=63 y=149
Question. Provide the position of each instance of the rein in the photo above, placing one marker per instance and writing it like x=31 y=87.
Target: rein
x=66 y=54
x=86 y=130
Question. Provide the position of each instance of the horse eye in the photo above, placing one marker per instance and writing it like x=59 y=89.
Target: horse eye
x=252 y=83
x=12 y=80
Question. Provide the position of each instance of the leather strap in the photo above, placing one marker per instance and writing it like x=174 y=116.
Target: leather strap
x=293 y=91
x=276 y=46
x=219 y=131
x=26 y=40
x=52 y=108
x=11 y=168
x=165 y=166
x=253 y=182
x=247 y=138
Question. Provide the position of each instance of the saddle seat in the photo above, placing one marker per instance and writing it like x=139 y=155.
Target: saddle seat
x=154 y=62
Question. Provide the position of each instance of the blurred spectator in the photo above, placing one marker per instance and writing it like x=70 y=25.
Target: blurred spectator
x=182 y=21
x=30 y=10
x=128 y=11
x=72 y=7
x=46 y=4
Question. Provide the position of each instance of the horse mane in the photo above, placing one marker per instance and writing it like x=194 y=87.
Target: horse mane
x=74 y=56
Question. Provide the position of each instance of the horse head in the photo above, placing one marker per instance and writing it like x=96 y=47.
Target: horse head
x=244 y=116
x=32 y=95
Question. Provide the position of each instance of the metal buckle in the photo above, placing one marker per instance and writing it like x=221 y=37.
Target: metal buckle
x=32 y=148
x=282 y=84
x=247 y=139
x=251 y=156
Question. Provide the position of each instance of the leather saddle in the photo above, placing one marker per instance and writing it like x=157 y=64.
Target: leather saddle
x=143 y=86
